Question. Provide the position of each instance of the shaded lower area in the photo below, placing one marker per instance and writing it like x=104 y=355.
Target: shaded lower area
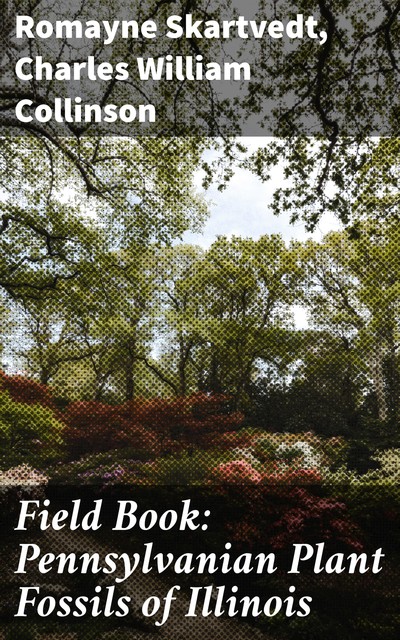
x=237 y=596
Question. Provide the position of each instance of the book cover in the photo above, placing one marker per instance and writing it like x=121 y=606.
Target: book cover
x=199 y=281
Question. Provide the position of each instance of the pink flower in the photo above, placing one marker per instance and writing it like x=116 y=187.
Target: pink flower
x=292 y=476
x=237 y=472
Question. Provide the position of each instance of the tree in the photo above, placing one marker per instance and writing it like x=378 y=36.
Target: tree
x=96 y=327
x=142 y=183
x=177 y=315
x=322 y=394
x=125 y=317
x=354 y=294
x=42 y=240
x=326 y=91
x=227 y=313
x=352 y=179
x=33 y=435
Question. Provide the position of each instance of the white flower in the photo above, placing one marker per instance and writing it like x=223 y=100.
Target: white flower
x=311 y=458
x=246 y=454
x=23 y=475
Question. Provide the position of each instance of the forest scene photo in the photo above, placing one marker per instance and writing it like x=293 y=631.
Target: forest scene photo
x=215 y=315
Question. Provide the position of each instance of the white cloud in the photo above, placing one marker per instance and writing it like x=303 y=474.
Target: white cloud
x=243 y=208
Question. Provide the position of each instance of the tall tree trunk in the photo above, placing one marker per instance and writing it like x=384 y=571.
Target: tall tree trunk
x=214 y=383
x=183 y=355
x=130 y=371
x=393 y=373
x=44 y=375
x=379 y=382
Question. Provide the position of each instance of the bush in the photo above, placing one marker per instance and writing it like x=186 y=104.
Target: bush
x=184 y=469
x=94 y=427
x=27 y=391
x=28 y=433
x=157 y=426
x=281 y=516
x=119 y=465
x=192 y=421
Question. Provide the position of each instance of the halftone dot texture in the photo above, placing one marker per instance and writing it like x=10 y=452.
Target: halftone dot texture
x=137 y=366
x=217 y=68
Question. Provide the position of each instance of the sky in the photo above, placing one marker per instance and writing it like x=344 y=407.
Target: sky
x=243 y=209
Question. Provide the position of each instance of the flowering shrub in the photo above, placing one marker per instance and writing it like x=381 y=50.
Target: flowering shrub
x=20 y=483
x=23 y=475
x=236 y=472
x=312 y=518
x=184 y=469
x=116 y=466
x=245 y=454
x=154 y=427
x=305 y=451
x=310 y=458
x=192 y=421
x=281 y=516
x=27 y=391
x=271 y=459
x=293 y=476
x=278 y=475
x=96 y=427
x=244 y=471
x=110 y=474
